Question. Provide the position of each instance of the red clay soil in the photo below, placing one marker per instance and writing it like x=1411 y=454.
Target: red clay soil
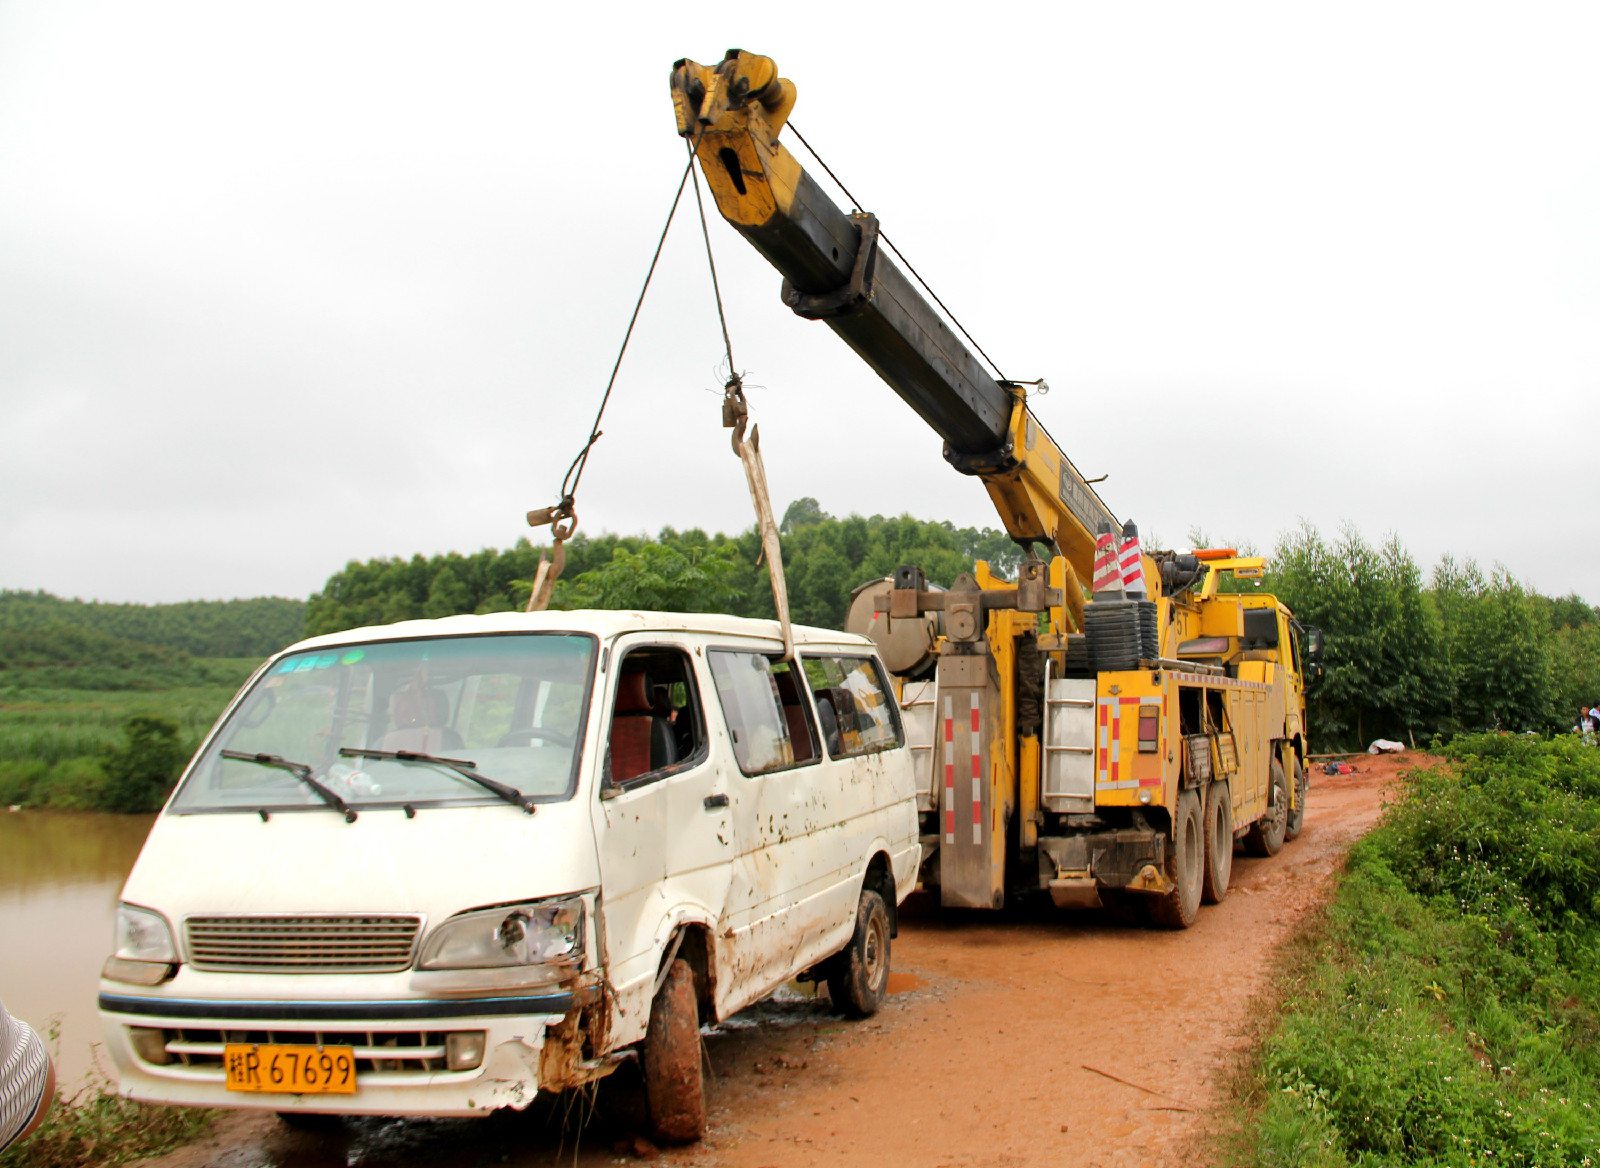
x=1045 y=1039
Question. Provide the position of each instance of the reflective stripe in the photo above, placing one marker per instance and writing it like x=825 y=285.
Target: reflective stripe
x=977 y=776
x=949 y=773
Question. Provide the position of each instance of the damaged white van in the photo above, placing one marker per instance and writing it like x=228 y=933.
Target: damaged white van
x=436 y=867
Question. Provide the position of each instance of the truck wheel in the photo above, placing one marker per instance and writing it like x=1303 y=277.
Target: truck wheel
x=1297 y=817
x=858 y=977
x=1266 y=834
x=1219 y=843
x=1178 y=908
x=670 y=1059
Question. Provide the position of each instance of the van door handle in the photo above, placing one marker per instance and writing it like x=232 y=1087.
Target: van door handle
x=712 y=802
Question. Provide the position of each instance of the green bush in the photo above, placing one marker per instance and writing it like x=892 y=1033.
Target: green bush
x=1449 y=1015
x=18 y=778
x=140 y=773
x=73 y=784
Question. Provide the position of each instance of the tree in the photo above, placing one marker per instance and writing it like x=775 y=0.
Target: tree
x=656 y=576
x=802 y=513
x=141 y=771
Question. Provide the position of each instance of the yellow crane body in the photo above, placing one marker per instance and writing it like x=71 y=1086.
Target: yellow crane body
x=1101 y=729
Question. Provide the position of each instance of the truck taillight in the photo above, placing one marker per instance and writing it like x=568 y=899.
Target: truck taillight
x=1149 y=730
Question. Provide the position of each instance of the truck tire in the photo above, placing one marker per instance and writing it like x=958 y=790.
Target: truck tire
x=670 y=1059
x=1219 y=843
x=1265 y=837
x=1297 y=817
x=858 y=977
x=1178 y=908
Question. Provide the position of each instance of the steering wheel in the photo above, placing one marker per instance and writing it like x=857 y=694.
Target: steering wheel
x=532 y=732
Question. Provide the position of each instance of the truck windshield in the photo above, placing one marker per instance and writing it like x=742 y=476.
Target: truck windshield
x=511 y=706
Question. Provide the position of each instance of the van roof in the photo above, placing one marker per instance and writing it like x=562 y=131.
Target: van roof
x=604 y=623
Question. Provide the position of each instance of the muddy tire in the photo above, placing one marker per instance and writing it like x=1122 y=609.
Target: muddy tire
x=1265 y=837
x=670 y=1060
x=858 y=977
x=1185 y=867
x=1218 y=843
x=1297 y=817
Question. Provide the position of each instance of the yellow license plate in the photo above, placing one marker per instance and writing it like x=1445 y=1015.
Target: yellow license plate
x=293 y=1070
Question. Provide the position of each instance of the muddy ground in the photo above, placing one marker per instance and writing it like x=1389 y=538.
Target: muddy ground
x=1037 y=1039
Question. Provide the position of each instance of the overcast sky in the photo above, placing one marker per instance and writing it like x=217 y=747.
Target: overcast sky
x=284 y=285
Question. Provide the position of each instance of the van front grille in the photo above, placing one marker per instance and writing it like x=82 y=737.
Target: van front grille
x=305 y=944
x=420 y=1052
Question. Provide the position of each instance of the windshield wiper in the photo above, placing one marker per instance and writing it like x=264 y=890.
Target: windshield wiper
x=461 y=766
x=300 y=771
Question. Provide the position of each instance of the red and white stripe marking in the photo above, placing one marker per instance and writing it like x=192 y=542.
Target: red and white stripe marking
x=1131 y=564
x=1107 y=569
x=977 y=776
x=1215 y=681
x=1108 y=755
x=949 y=774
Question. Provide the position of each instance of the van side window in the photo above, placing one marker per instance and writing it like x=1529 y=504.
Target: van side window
x=766 y=713
x=853 y=705
x=656 y=721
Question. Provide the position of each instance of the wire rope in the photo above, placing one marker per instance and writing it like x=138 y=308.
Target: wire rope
x=926 y=287
x=569 y=482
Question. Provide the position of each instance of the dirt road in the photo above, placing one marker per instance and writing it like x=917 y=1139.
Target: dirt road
x=1052 y=1040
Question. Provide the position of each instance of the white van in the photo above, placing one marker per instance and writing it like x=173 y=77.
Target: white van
x=435 y=867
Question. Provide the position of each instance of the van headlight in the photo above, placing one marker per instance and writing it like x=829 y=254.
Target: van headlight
x=143 y=935
x=537 y=933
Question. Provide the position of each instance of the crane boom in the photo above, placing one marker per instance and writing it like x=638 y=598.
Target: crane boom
x=1105 y=745
x=835 y=271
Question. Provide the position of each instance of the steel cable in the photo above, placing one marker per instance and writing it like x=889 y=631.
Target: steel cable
x=569 y=482
x=926 y=287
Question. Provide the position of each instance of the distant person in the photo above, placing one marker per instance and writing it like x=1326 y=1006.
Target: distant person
x=27 y=1079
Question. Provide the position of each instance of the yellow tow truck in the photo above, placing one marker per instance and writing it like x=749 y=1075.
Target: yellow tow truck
x=1104 y=727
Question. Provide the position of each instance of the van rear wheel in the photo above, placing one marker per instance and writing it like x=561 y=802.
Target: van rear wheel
x=858 y=977
x=670 y=1059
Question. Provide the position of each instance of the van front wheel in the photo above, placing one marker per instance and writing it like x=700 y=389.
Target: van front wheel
x=670 y=1059
x=858 y=978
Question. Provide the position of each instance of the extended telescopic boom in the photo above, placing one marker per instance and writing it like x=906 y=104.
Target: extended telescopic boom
x=834 y=271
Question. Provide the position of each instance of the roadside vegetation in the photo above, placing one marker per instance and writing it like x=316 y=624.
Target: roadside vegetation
x=87 y=688
x=1410 y=656
x=1446 y=1011
x=97 y=1126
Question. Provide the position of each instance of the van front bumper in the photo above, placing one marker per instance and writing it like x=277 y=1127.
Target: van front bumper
x=168 y=1049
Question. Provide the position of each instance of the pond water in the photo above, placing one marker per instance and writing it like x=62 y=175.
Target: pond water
x=60 y=873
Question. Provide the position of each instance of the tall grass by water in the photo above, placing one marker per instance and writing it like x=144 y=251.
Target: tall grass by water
x=54 y=742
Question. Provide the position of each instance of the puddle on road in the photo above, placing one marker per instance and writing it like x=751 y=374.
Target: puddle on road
x=904 y=983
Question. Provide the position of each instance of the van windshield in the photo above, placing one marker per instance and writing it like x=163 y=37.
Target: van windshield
x=513 y=707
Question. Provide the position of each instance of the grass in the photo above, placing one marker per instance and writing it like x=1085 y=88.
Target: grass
x=98 y=1126
x=1443 y=1010
x=53 y=740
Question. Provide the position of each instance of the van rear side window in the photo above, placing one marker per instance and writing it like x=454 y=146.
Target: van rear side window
x=853 y=706
x=765 y=711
